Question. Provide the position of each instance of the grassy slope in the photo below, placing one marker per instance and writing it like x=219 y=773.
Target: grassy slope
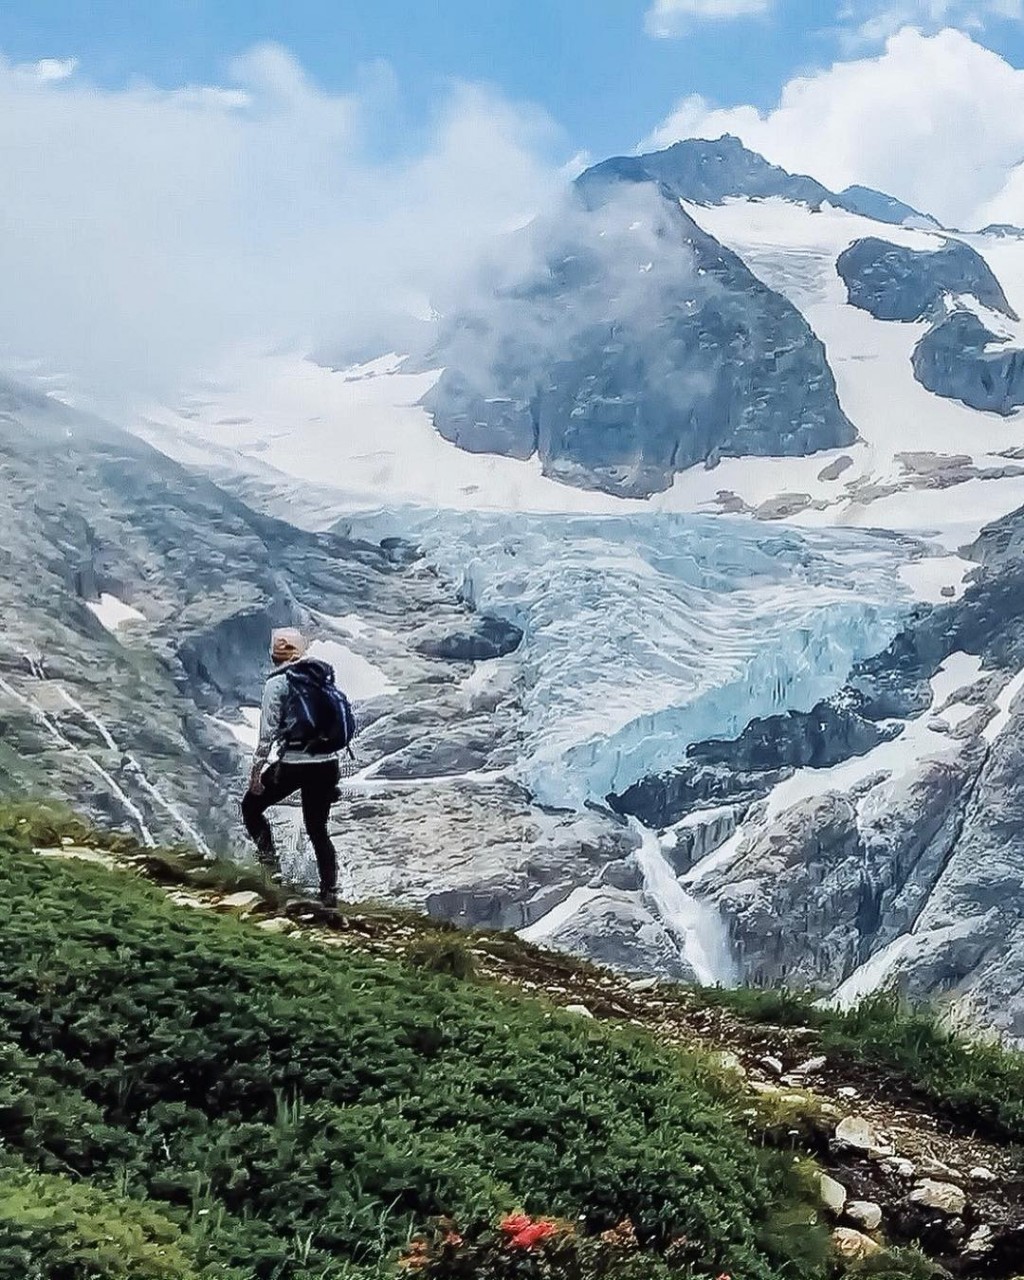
x=182 y=1095
x=977 y=1083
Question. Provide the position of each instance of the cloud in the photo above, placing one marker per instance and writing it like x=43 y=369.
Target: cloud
x=936 y=120
x=864 y=23
x=668 y=18
x=144 y=232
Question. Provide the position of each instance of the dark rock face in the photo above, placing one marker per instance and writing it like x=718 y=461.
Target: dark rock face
x=882 y=208
x=955 y=360
x=708 y=172
x=629 y=345
x=746 y=769
x=482 y=638
x=892 y=282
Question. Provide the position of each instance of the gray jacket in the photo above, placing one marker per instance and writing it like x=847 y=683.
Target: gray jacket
x=271 y=715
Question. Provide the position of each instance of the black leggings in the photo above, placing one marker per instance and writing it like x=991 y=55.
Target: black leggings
x=318 y=784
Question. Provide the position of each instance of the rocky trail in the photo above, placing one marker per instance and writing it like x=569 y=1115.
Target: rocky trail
x=895 y=1169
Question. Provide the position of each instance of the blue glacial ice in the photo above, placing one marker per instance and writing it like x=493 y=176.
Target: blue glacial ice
x=646 y=633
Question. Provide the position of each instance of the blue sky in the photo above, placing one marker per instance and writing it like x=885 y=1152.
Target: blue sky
x=593 y=65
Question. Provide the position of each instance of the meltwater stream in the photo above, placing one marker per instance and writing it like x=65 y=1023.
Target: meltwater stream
x=696 y=926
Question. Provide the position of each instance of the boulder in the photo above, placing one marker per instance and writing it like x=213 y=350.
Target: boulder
x=833 y=1195
x=243 y=902
x=857 y=1134
x=865 y=1213
x=580 y=1010
x=944 y=1197
x=854 y=1246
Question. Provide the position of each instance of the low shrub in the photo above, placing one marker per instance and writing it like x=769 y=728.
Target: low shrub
x=297 y=1114
x=445 y=955
x=52 y=1228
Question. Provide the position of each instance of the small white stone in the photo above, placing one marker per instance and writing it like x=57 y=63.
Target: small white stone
x=726 y=1060
x=810 y=1066
x=980 y=1174
x=860 y=1135
x=772 y=1064
x=899 y=1167
x=242 y=901
x=833 y=1194
x=865 y=1213
x=848 y=1091
x=980 y=1240
x=580 y=1010
x=275 y=924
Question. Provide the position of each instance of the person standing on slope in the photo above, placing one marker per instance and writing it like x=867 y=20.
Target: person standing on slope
x=306 y=721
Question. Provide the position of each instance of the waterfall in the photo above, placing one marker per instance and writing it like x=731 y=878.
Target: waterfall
x=697 y=926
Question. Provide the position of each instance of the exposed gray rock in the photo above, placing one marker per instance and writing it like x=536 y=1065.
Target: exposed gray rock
x=747 y=768
x=479 y=639
x=963 y=360
x=882 y=208
x=833 y=1194
x=629 y=346
x=856 y=1133
x=865 y=1213
x=711 y=171
x=708 y=172
x=893 y=282
x=616 y=929
x=943 y=1196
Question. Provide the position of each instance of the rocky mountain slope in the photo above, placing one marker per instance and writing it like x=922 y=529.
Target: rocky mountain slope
x=629 y=345
x=759 y=725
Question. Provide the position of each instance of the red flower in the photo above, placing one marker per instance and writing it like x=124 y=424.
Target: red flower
x=532 y=1235
x=452 y=1239
x=724 y=1276
x=513 y=1223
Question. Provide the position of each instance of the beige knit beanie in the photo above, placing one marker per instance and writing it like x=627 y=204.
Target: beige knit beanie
x=287 y=644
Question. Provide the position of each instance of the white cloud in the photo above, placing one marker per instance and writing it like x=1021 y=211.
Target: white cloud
x=50 y=68
x=935 y=120
x=668 y=18
x=870 y=22
x=144 y=231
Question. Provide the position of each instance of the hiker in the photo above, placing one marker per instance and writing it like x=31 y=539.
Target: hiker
x=306 y=721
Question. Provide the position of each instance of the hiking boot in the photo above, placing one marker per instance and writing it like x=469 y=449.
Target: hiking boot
x=266 y=855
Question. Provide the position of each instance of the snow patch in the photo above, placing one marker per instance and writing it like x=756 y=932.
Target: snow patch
x=114 y=613
x=1004 y=704
x=359 y=677
x=937 y=579
x=245 y=734
x=549 y=923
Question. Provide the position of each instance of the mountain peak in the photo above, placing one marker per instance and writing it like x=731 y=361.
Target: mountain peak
x=709 y=171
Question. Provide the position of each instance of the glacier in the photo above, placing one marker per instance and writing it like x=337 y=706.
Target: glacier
x=644 y=634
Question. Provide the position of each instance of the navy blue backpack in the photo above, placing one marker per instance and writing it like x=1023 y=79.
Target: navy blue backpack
x=317 y=718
